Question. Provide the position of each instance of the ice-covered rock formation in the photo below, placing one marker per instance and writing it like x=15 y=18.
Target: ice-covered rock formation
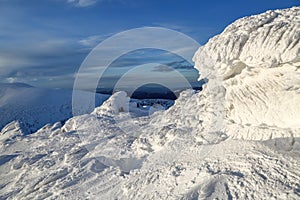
x=257 y=59
x=261 y=41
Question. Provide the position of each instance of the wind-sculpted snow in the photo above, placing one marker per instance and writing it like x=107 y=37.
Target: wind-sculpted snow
x=261 y=41
x=258 y=58
x=56 y=163
x=236 y=139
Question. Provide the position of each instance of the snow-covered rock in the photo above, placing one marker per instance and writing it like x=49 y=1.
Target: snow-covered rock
x=257 y=60
x=119 y=102
x=261 y=41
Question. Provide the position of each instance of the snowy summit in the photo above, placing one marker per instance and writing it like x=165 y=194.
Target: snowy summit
x=236 y=139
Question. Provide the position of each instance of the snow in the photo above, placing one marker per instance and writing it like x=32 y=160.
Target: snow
x=117 y=103
x=236 y=139
x=257 y=59
x=266 y=40
x=34 y=107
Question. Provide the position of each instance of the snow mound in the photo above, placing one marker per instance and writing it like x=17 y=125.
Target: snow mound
x=257 y=60
x=11 y=130
x=118 y=102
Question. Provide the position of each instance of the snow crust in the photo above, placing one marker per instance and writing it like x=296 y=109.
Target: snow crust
x=236 y=139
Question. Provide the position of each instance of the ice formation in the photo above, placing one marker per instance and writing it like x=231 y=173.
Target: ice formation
x=258 y=58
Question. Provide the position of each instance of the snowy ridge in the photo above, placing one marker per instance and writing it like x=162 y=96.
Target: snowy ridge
x=197 y=149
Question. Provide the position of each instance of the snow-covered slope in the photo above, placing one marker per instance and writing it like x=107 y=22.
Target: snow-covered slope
x=194 y=150
x=32 y=108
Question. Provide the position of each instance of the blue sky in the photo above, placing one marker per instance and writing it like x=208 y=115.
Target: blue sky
x=43 y=42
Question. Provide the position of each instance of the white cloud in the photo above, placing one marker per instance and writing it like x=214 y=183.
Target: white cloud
x=12 y=80
x=86 y=3
x=93 y=40
x=82 y=3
